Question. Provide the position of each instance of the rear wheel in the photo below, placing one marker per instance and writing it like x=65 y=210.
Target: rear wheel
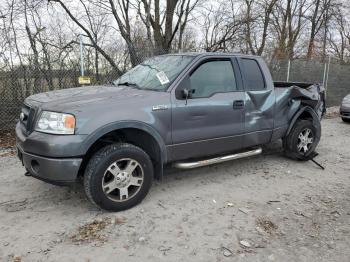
x=301 y=141
x=118 y=177
x=347 y=120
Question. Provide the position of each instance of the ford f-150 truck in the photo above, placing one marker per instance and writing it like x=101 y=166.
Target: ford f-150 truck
x=185 y=110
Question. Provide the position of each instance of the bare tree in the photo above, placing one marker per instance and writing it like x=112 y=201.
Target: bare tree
x=97 y=26
x=89 y=35
x=288 y=21
x=119 y=34
x=317 y=20
x=339 y=37
x=221 y=26
x=165 y=26
x=258 y=23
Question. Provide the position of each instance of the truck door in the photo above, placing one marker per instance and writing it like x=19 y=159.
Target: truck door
x=259 y=101
x=211 y=119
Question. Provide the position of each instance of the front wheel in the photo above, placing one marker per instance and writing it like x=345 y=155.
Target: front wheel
x=301 y=141
x=346 y=120
x=118 y=177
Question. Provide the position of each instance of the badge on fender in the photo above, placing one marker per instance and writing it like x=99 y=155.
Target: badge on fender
x=159 y=107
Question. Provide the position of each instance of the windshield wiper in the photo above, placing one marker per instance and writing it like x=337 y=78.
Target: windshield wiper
x=129 y=84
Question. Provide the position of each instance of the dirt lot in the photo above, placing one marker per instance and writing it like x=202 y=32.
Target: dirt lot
x=265 y=208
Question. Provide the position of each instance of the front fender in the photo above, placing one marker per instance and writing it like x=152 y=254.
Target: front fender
x=92 y=138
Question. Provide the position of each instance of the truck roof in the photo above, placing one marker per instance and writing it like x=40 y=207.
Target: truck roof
x=197 y=54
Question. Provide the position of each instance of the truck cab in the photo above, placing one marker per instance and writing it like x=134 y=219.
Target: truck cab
x=230 y=106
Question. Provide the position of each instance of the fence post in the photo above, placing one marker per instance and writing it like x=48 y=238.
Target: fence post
x=288 y=70
x=326 y=84
x=325 y=74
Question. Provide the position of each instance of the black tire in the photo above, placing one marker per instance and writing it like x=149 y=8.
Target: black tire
x=291 y=141
x=346 y=120
x=97 y=167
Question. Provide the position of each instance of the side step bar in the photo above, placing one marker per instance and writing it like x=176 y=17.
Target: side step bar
x=200 y=163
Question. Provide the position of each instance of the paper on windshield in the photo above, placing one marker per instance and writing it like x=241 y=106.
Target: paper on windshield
x=163 y=79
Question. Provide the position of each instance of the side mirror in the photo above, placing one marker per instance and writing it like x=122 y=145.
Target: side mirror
x=187 y=93
x=184 y=84
x=183 y=90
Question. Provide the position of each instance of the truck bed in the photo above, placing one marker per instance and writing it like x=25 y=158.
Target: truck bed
x=289 y=84
x=312 y=94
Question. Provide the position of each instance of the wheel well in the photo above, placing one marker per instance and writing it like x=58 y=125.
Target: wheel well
x=306 y=115
x=134 y=136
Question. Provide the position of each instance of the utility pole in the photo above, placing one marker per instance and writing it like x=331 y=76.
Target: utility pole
x=83 y=80
x=81 y=55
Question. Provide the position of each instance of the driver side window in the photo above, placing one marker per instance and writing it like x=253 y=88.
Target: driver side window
x=213 y=77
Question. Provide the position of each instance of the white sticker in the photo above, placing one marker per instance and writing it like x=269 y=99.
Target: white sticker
x=163 y=79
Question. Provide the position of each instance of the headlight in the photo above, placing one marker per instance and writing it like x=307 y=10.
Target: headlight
x=56 y=123
x=346 y=101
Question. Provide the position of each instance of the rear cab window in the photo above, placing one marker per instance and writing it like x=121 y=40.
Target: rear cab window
x=254 y=78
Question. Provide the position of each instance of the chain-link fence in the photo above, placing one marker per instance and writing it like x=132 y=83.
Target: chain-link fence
x=23 y=81
x=18 y=84
x=335 y=76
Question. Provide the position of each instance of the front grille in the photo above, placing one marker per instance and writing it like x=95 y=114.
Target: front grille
x=27 y=118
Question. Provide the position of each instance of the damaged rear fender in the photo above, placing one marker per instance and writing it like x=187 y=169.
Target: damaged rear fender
x=307 y=112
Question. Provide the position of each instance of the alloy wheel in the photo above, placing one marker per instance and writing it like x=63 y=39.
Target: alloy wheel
x=305 y=140
x=123 y=179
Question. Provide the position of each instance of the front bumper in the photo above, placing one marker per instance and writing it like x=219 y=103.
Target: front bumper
x=51 y=158
x=58 y=171
x=344 y=112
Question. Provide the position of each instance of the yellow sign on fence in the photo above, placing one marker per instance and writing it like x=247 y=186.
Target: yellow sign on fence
x=84 y=80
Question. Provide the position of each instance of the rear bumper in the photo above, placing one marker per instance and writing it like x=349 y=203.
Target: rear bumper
x=58 y=171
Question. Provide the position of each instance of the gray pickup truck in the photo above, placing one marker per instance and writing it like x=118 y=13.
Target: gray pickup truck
x=185 y=110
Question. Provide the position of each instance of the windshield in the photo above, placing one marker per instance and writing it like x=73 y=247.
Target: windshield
x=156 y=73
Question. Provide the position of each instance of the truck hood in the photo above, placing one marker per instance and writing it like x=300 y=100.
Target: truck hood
x=74 y=98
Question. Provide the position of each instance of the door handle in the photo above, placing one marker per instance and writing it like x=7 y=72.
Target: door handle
x=238 y=104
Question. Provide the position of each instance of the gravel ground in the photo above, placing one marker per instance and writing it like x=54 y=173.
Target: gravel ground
x=264 y=208
x=7 y=143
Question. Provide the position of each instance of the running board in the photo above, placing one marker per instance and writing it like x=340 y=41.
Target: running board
x=190 y=165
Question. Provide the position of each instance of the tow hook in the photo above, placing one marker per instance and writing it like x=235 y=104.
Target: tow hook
x=27 y=173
